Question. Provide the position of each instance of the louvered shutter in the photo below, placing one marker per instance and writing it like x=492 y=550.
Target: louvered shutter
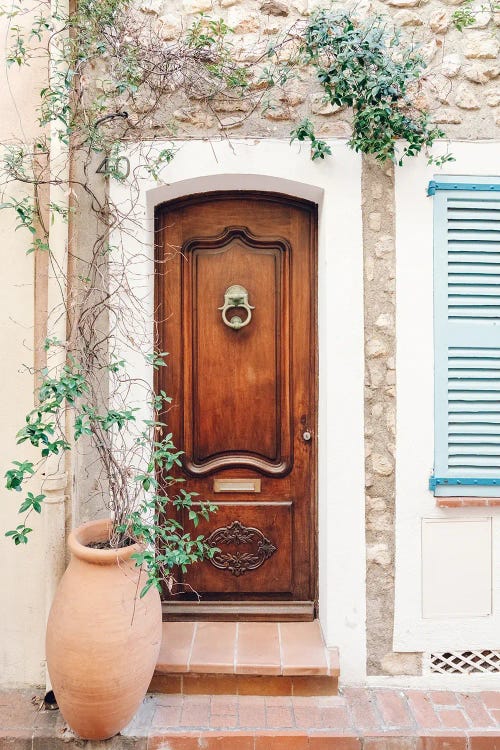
x=467 y=337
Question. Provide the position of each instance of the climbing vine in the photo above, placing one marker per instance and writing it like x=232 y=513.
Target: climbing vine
x=112 y=78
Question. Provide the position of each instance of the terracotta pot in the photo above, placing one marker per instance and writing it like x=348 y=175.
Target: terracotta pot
x=102 y=639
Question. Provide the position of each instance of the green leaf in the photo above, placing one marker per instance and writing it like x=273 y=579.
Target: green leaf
x=19 y=535
x=32 y=502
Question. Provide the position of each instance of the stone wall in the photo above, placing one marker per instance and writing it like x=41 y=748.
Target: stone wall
x=22 y=320
x=461 y=88
x=462 y=91
x=380 y=418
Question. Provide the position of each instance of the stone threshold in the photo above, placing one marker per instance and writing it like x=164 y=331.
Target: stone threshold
x=246 y=658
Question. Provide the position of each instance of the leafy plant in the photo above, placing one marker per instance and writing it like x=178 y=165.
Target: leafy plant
x=466 y=14
x=305 y=131
x=362 y=65
x=140 y=499
x=463 y=17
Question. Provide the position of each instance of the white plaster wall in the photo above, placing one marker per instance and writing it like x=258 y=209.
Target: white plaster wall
x=335 y=185
x=22 y=625
x=469 y=626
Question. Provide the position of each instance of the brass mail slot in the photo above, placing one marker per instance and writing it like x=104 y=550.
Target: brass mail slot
x=236 y=485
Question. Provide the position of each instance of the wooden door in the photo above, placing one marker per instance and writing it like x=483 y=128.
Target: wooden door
x=243 y=383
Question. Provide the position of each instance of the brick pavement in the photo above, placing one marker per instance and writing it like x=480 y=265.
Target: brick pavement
x=358 y=719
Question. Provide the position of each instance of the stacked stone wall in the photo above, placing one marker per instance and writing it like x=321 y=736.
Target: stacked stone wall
x=461 y=87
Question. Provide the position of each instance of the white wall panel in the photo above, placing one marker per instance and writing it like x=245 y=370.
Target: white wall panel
x=456 y=567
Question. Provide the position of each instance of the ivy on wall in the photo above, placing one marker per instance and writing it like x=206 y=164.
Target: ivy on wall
x=363 y=65
x=117 y=73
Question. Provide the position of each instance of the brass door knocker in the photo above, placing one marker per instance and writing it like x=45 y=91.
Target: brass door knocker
x=236 y=296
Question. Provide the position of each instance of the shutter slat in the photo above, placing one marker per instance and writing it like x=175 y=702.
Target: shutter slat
x=472 y=353
x=476 y=227
x=474 y=207
x=471 y=376
x=459 y=442
x=464 y=213
x=486 y=315
x=472 y=268
x=470 y=450
x=476 y=248
x=485 y=297
x=473 y=281
x=473 y=423
x=468 y=234
x=471 y=256
x=483 y=290
x=473 y=384
x=459 y=410
x=462 y=463
x=455 y=398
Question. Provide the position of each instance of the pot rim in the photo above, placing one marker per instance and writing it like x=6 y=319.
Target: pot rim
x=97 y=531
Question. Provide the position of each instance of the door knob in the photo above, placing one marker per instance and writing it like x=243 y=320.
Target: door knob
x=307 y=436
x=236 y=296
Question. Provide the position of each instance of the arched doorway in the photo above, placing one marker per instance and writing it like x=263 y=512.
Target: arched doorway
x=235 y=305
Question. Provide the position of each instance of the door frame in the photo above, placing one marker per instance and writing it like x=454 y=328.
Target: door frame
x=279 y=608
x=335 y=185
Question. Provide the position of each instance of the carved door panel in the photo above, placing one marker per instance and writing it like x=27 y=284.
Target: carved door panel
x=235 y=301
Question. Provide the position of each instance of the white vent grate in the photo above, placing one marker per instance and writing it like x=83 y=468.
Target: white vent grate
x=465 y=662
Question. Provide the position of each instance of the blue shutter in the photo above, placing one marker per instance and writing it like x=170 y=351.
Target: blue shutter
x=467 y=337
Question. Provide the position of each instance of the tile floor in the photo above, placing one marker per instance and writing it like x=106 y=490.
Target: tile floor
x=357 y=719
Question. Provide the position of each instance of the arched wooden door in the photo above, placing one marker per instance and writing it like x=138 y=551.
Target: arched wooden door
x=236 y=301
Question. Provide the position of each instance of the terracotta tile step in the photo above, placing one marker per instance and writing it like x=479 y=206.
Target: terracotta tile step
x=245 y=658
x=235 y=684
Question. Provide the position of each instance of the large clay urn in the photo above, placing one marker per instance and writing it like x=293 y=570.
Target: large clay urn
x=102 y=639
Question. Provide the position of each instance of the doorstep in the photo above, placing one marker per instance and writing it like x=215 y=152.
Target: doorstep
x=358 y=719
x=245 y=658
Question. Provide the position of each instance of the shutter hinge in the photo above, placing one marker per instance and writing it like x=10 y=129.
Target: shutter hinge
x=462 y=481
x=475 y=186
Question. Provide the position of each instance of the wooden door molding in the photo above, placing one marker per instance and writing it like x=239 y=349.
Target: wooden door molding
x=275 y=457
x=244 y=398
